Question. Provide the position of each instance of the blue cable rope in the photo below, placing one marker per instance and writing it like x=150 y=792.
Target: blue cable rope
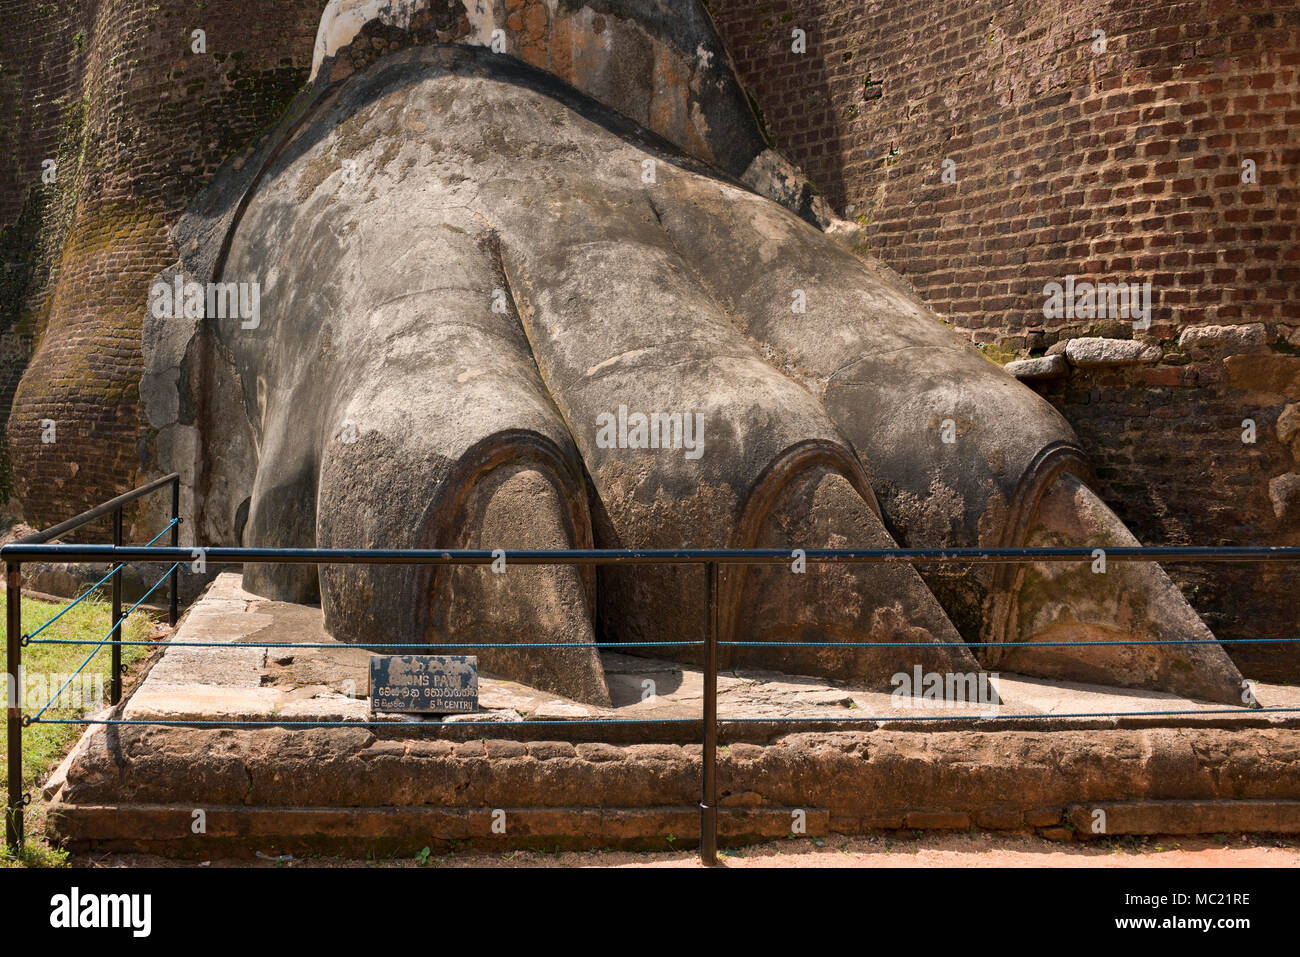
x=1244 y=712
x=37 y=719
x=114 y=627
x=90 y=591
x=55 y=697
x=77 y=602
x=174 y=521
x=127 y=613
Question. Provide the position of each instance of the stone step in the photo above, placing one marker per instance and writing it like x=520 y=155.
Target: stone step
x=1183 y=817
x=243 y=831
x=170 y=830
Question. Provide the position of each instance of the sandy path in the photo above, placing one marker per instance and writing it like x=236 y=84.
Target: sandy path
x=953 y=850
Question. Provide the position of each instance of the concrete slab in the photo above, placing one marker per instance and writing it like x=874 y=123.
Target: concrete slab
x=238 y=669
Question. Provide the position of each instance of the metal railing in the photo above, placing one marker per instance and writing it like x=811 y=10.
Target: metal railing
x=15 y=639
x=35 y=549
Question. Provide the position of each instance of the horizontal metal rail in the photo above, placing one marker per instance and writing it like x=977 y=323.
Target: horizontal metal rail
x=18 y=553
x=615 y=645
x=99 y=511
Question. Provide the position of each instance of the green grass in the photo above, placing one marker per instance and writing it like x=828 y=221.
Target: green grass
x=44 y=669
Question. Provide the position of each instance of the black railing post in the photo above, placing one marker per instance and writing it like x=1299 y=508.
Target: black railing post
x=115 y=684
x=14 y=690
x=176 y=540
x=709 y=798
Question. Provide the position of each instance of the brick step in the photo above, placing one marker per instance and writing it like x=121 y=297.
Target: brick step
x=1183 y=817
x=243 y=831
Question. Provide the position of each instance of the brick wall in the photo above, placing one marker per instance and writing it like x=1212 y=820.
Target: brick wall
x=41 y=64
x=1122 y=163
x=138 y=121
x=1115 y=165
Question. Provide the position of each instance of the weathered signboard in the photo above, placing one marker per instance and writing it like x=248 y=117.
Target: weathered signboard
x=424 y=684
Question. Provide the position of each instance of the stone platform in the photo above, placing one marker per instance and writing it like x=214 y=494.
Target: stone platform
x=857 y=761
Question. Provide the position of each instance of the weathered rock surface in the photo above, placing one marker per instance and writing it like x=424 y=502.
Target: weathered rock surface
x=530 y=354
x=1064 y=602
x=1288 y=423
x=659 y=62
x=1268 y=373
x=1039 y=369
x=1232 y=338
x=1284 y=493
x=1110 y=352
x=1288 y=428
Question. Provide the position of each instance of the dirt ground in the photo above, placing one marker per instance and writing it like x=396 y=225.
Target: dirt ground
x=976 y=849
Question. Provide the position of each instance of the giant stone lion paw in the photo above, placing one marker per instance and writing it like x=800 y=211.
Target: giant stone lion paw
x=516 y=306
